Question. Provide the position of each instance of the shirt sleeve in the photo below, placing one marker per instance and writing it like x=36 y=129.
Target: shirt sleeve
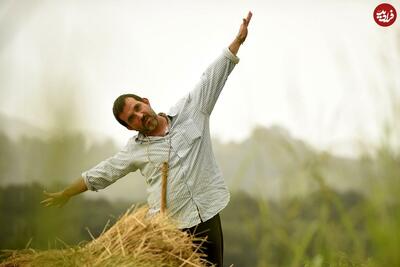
x=206 y=92
x=110 y=170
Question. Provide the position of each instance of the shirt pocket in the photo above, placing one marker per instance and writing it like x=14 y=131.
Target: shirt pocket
x=185 y=137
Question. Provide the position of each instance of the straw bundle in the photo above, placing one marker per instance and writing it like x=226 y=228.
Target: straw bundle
x=134 y=240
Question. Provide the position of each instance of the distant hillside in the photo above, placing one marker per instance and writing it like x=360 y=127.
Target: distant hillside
x=273 y=164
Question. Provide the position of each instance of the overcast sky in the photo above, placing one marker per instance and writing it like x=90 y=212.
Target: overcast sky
x=324 y=70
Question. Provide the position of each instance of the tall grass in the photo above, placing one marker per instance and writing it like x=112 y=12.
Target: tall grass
x=331 y=228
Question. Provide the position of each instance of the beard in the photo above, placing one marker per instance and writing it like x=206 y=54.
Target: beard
x=149 y=123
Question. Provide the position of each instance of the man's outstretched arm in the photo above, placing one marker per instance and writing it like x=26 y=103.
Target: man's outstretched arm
x=212 y=81
x=60 y=198
x=241 y=36
x=102 y=175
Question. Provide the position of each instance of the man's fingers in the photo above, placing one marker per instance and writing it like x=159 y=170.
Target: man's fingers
x=249 y=15
x=47 y=201
x=44 y=201
x=246 y=21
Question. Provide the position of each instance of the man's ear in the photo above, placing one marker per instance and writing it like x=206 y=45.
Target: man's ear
x=145 y=100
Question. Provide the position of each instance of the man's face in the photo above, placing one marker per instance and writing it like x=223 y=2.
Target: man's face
x=139 y=116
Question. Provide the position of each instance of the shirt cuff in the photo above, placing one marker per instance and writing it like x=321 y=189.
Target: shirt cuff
x=88 y=184
x=231 y=56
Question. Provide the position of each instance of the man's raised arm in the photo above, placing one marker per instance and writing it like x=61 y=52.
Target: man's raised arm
x=212 y=81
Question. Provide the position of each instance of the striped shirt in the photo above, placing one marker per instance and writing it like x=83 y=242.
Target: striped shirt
x=196 y=190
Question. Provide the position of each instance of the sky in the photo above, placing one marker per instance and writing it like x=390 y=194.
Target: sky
x=325 y=71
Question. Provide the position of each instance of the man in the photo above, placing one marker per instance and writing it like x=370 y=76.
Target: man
x=196 y=191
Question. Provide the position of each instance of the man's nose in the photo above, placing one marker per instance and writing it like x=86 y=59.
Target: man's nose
x=139 y=115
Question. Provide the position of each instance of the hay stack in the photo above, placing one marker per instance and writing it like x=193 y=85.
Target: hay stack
x=135 y=240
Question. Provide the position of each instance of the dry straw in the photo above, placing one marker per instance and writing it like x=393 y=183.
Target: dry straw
x=135 y=240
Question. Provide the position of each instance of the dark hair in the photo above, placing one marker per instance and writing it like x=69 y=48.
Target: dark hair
x=119 y=104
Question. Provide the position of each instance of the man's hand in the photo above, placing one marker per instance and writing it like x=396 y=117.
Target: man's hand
x=241 y=37
x=60 y=198
x=57 y=199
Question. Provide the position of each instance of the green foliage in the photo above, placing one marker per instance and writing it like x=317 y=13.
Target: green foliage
x=325 y=228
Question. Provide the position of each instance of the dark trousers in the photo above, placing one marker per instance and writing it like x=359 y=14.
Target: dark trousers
x=214 y=245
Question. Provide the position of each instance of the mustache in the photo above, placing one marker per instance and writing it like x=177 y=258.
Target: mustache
x=145 y=117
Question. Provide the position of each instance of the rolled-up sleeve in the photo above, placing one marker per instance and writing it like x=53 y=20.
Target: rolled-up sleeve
x=110 y=170
x=206 y=92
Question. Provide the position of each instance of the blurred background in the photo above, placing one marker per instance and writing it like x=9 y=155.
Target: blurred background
x=306 y=130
